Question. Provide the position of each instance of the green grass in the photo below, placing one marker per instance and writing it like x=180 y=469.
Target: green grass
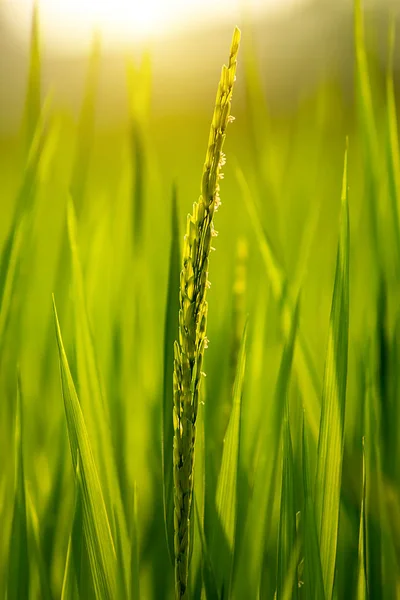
x=295 y=485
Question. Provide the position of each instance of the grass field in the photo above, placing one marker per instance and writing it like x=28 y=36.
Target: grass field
x=296 y=489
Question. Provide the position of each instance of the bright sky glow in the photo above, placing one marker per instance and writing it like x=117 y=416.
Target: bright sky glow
x=70 y=23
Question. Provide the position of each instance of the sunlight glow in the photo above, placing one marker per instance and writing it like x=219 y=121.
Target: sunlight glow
x=70 y=23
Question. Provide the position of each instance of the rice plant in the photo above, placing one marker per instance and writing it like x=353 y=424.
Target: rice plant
x=126 y=473
x=192 y=341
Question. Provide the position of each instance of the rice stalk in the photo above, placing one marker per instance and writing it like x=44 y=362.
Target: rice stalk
x=192 y=340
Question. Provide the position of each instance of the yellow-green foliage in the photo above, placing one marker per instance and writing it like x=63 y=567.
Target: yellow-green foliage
x=283 y=498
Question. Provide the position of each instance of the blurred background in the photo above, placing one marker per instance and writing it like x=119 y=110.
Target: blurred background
x=298 y=43
x=120 y=95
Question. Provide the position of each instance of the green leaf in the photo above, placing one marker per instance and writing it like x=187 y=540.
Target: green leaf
x=96 y=528
x=331 y=436
x=313 y=581
x=287 y=523
x=362 y=580
x=170 y=335
x=226 y=498
x=18 y=584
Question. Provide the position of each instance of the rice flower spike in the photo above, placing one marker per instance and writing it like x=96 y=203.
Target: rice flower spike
x=189 y=348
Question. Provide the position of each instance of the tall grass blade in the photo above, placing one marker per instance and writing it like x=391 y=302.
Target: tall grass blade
x=209 y=578
x=313 y=579
x=287 y=522
x=394 y=148
x=134 y=560
x=227 y=493
x=96 y=527
x=362 y=580
x=73 y=567
x=92 y=395
x=18 y=582
x=331 y=437
x=369 y=127
x=170 y=335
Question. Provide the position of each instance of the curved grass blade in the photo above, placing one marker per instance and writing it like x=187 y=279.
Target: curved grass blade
x=287 y=523
x=362 y=580
x=96 y=528
x=313 y=580
x=331 y=436
x=18 y=584
x=226 y=498
x=170 y=335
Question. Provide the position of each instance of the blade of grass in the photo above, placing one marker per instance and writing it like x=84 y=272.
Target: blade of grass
x=362 y=580
x=331 y=437
x=71 y=587
x=226 y=498
x=209 y=579
x=369 y=128
x=313 y=580
x=92 y=395
x=394 y=149
x=134 y=562
x=287 y=523
x=170 y=335
x=96 y=527
x=18 y=584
